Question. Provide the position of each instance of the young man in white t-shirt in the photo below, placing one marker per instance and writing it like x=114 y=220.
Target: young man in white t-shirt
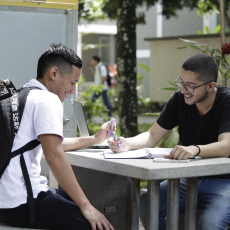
x=58 y=71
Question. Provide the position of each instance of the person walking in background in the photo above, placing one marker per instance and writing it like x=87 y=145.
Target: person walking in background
x=99 y=72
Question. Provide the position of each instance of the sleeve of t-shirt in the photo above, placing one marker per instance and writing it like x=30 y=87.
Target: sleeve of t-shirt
x=168 y=117
x=103 y=71
x=48 y=116
x=224 y=118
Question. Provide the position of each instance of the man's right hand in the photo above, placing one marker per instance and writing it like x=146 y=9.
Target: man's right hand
x=96 y=219
x=113 y=144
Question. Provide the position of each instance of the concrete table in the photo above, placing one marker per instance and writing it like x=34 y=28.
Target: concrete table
x=153 y=172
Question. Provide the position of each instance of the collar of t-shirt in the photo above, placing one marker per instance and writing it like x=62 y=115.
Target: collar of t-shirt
x=35 y=83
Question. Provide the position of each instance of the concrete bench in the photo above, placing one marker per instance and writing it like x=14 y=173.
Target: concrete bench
x=7 y=227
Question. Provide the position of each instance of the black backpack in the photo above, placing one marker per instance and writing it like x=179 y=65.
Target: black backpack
x=12 y=105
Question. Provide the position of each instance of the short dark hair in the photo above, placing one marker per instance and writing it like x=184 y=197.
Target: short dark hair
x=95 y=57
x=60 y=56
x=204 y=66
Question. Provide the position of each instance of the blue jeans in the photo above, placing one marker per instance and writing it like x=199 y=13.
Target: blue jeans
x=54 y=209
x=213 y=200
x=105 y=100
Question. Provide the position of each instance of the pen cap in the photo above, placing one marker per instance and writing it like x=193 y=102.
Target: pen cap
x=111 y=124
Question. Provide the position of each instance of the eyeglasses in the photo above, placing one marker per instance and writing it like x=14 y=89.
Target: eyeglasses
x=188 y=88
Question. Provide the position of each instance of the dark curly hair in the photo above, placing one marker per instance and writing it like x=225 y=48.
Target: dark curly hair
x=204 y=66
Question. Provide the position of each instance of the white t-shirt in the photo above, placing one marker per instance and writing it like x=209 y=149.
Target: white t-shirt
x=43 y=114
x=100 y=72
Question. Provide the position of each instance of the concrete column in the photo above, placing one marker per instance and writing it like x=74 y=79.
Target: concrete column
x=173 y=190
x=159 y=20
x=191 y=203
x=153 y=202
x=133 y=204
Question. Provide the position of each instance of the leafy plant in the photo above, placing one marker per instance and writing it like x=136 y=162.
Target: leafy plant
x=172 y=87
x=211 y=6
x=216 y=31
x=206 y=7
x=145 y=67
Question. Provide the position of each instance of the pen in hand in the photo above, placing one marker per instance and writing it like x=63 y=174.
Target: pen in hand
x=115 y=138
x=112 y=125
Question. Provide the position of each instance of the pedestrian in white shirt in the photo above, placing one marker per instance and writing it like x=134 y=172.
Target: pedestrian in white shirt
x=99 y=73
x=58 y=71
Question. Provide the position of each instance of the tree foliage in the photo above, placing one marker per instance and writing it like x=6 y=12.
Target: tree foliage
x=99 y=9
x=210 y=6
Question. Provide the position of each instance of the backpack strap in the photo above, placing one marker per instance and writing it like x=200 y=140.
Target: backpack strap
x=107 y=76
x=8 y=85
x=7 y=119
x=28 y=189
x=100 y=69
x=17 y=111
x=18 y=102
x=29 y=146
x=14 y=102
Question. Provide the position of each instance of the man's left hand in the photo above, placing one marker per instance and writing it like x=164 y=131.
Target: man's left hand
x=182 y=152
x=101 y=135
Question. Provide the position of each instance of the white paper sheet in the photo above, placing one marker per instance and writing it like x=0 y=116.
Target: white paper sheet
x=140 y=153
x=158 y=152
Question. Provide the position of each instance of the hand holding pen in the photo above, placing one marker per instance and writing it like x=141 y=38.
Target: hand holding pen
x=112 y=125
x=115 y=138
x=118 y=144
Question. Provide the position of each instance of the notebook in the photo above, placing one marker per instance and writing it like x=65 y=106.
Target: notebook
x=140 y=153
x=82 y=124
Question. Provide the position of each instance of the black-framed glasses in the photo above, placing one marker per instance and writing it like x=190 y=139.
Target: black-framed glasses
x=188 y=88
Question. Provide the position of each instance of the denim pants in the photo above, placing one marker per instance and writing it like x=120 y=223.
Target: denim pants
x=54 y=209
x=213 y=200
x=105 y=100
